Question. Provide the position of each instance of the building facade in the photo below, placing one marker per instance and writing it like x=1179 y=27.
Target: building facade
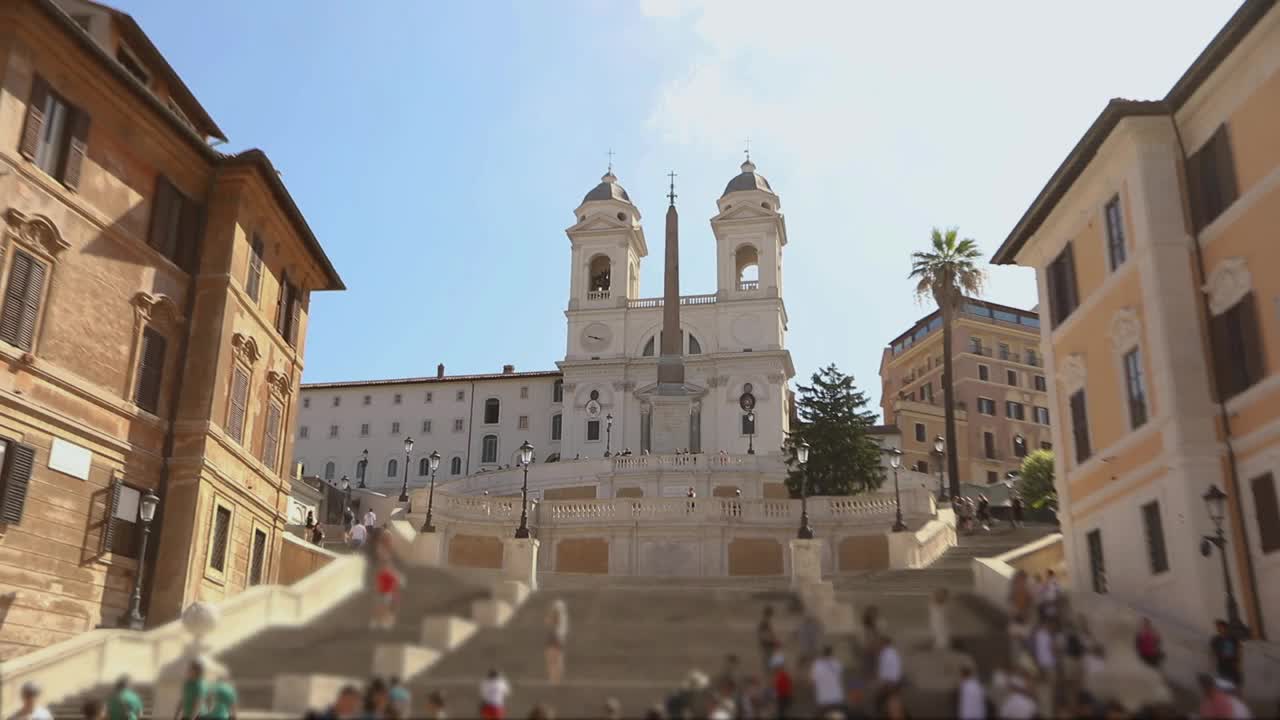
x=153 y=308
x=1154 y=251
x=601 y=399
x=1002 y=404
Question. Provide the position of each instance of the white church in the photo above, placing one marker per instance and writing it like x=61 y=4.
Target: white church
x=693 y=376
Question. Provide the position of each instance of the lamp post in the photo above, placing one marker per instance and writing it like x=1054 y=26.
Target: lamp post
x=364 y=466
x=802 y=454
x=346 y=490
x=526 y=457
x=1215 y=501
x=751 y=436
x=404 y=489
x=895 y=461
x=433 y=462
x=134 y=620
x=940 y=447
x=608 y=433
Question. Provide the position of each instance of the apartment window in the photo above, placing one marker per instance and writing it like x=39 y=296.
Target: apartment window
x=926 y=392
x=1097 y=564
x=175 y=224
x=330 y=470
x=556 y=427
x=911 y=396
x=304 y=432
x=306 y=403
x=593 y=430
x=986 y=406
x=1211 y=177
x=455 y=466
x=1266 y=509
x=1042 y=415
x=257 y=557
x=337 y=400
x=56 y=134
x=1046 y=445
x=253 y=278
x=1011 y=377
x=395 y=428
x=1063 y=296
x=146 y=394
x=1040 y=384
x=1237 y=348
x=524 y=392
x=1032 y=358
x=130 y=63
x=992 y=477
x=460 y=396
x=1134 y=389
x=923 y=467
x=429 y=396
x=557 y=391
x=491 y=411
x=426 y=426
x=1004 y=351
x=522 y=423
x=333 y=431
x=393 y=468
x=364 y=429
x=396 y=399
x=457 y=425
x=984 y=373
x=1080 y=426
x=920 y=432
x=221 y=536
x=288 y=310
x=23 y=297
x=368 y=400
x=989 y=445
x=121 y=534
x=975 y=345
x=1015 y=410
x=271 y=434
x=239 y=400
x=424 y=467
x=1154 y=532
x=1115 y=234
x=489 y=449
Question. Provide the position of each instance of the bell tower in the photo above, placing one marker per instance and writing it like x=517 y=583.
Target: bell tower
x=608 y=244
x=750 y=233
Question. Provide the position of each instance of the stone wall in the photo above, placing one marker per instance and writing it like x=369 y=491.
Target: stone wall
x=299 y=559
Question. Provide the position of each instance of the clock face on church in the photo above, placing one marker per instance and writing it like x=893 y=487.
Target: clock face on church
x=596 y=337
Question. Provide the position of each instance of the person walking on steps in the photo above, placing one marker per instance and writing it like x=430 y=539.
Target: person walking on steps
x=31 y=708
x=493 y=696
x=124 y=703
x=766 y=636
x=194 y=693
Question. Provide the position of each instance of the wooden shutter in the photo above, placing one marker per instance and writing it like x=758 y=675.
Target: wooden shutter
x=295 y=313
x=161 y=210
x=190 y=222
x=109 y=519
x=1250 y=340
x=1267 y=510
x=282 y=303
x=34 y=126
x=1224 y=360
x=77 y=147
x=31 y=305
x=150 y=370
x=271 y=436
x=20 y=461
x=1224 y=169
x=257 y=557
x=1080 y=426
x=253 y=280
x=22 y=301
x=239 y=400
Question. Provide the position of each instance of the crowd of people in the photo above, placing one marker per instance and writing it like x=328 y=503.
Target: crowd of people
x=973 y=515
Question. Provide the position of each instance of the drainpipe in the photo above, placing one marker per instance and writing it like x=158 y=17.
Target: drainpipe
x=471 y=416
x=1237 y=503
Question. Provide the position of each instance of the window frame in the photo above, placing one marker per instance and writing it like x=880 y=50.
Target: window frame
x=1011 y=377
x=990 y=403
x=593 y=428
x=1063 y=286
x=455 y=466
x=1081 y=442
x=1268 y=534
x=1134 y=380
x=263 y=568
x=212 y=572
x=46 y=263
x=1153 y=536
x=496 y=405
x=557 y=427
x=922 y=433
x=489 y=449
x=984 y=372
x=1116 y=251
x=1097 y=557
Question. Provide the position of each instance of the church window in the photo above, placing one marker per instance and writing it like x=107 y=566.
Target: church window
x=557 y=392
x=491 y=411
x=489 y=449
x=455 y=466
x=593 y=431
x=556 y=426
x=695 y=347
x=392 y=467
x=747 y=263
x=598 y=278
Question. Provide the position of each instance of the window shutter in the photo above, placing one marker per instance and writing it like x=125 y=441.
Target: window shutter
x=1267 y=509
x=1224 y=169
x=295 y=313
x=14 y=297
x=77 y=147
x=1250 y=341
x=150 y=370
x=31 y=132
x=239 y=398
x=282 y=302
x=1080 y=427
x=109 y=520
x=1224 y=360
x=161 y=203
x=191 y=221
x=253 y=281
x=31 y=306
x=256 y=561
x=21 y=461
x=271 y=437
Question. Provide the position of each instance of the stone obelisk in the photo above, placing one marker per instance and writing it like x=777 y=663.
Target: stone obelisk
x=672 y=403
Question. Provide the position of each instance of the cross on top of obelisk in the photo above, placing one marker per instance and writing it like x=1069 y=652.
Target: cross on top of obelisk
x=672 y=195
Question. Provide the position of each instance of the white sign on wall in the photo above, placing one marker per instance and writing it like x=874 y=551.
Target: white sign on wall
x=69 y=458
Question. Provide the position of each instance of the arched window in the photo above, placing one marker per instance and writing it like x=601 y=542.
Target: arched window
x=329 y=470
x=424 y=467
x=455 y=466
x=648 y=347
x=557 y=392
x=598 y=276
x=556 y=427
x=695 y=347
x=489 y=449
x=747 y=262
x=491 y=408
x=393 y=468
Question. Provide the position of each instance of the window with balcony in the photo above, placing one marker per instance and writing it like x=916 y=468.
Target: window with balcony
x=1005 y=353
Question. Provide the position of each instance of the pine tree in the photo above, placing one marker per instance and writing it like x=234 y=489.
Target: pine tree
x=832 y=417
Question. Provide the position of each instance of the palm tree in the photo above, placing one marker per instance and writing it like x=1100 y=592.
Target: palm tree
x=948 y=273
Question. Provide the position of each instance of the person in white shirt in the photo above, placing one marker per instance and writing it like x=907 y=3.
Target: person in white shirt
x=1018 y=704
x=370 y=520
x=827 y=674
x=888 y=664
x=358 y=535
x=972 y=701
x=493 y=695
x=31 y=707
x=1043 y=646
x=1048 y=595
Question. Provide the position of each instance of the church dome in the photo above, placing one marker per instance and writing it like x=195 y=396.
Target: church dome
x=608 y=189
x=748 y=179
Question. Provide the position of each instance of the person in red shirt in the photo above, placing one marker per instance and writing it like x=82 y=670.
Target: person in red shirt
x=387 y=595
x=782 y=688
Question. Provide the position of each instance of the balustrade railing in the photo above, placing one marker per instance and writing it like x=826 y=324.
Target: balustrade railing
x=684 y=300
x=597 y=294
x=748 y=284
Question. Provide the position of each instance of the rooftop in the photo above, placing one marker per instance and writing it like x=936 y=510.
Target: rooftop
x=434 y=379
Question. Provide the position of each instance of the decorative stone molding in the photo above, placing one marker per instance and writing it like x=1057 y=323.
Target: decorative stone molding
x=570 y=387
x=1071 y=372
x=1126 y=330
x=158 y=309
x=36 y=232
x=777 y=378
x=246 y=348
x=279 y=383
x=624 y=386
x=1229 y=282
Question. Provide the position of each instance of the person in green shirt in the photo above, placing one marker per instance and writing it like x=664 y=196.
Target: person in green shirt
x=222 y=702
x=124 y=703
x=194 y=692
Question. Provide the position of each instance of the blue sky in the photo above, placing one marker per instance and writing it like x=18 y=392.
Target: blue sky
x=438 y=149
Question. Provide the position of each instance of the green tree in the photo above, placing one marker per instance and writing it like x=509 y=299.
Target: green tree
x=832 y=417
x=948 y=273
x=1035 y=480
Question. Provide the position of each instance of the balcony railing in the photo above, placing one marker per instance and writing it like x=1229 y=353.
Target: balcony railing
x=598 y=295
x=684 y=300
x=748 y=284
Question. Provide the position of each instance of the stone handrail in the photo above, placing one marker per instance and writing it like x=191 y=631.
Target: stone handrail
x=641 y=303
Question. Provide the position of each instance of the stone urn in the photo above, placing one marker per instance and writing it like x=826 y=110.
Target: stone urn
x=1124 y=678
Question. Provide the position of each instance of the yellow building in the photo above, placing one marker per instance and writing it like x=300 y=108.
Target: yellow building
x=1155 y=250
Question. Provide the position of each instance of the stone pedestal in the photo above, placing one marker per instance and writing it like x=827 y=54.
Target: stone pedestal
x=427 y=550
x=520 y=561
x=670 y=422
x=806 y=562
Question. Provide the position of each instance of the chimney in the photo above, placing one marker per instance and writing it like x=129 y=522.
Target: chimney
x=440 y=370
x=508 y=369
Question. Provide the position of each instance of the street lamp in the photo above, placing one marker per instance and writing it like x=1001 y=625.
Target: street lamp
x=134 y=620
x=404 y=489
x=526 y=457
x=802 y=454
x=364 y=466
x=1215 y=501
x=433 y=462
x=751 y=436
x=895 y=461
x=608 y=433
x=940 y=447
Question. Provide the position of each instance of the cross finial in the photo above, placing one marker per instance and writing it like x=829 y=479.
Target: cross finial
x=747 y=151
x=611 y=160
x=672 y=195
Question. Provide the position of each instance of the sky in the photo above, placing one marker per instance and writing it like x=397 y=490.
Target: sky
x=438 y=150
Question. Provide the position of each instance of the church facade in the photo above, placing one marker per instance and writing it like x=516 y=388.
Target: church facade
x=725 y=349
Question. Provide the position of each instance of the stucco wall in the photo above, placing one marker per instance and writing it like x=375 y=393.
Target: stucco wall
x=299 y=559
